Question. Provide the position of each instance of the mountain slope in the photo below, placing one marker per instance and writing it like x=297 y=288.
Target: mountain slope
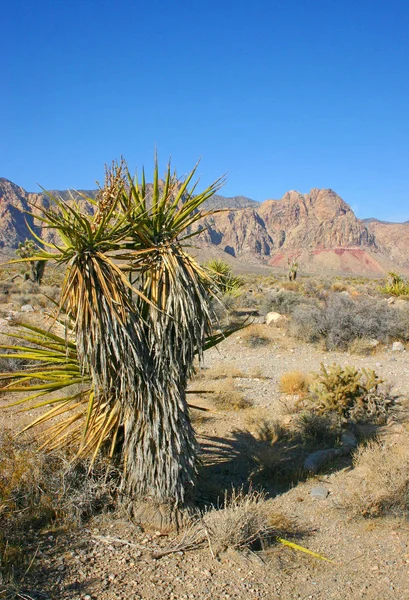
x=318 y=227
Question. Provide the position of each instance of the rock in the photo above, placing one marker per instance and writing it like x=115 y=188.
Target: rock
x=274 y=318
x=348 y=440
x=391 y=300
x=27 y=308
x=398 y=347
x=373 y=343
x=345 y=294
x=316 y=460
x=319 y=492
x=4 y=324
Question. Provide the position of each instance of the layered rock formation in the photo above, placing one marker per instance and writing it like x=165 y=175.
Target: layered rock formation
x=319 y=227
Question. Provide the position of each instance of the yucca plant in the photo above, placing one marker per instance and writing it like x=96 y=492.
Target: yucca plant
x=160 y=445
x=222 y=274
x=140 y=310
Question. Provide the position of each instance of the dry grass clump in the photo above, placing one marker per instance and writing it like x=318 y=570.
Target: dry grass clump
x=228 y=397
x=246 y=522
x=364 y=346
x=257 y=336
x=294 y=382
x=222 y=371
x=38 y=489
x=291 y=286
x=339 y=286
x=379 y=485
x=257 y=373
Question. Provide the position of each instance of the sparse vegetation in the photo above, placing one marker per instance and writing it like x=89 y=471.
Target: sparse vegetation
x=341 y=320
x=395 y=285
x=294 y=382
x=37 y=490
x=256 y=335
x=222 y=274
x=317 y=429
x=379 y=484
x=228 y=397
x=350 y=393
x=246 y=522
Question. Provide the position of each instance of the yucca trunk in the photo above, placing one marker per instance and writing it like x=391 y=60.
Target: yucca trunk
x=160 y=454
x=160 y=445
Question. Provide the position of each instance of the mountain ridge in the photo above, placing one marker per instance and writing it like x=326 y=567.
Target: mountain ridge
x=319 y=226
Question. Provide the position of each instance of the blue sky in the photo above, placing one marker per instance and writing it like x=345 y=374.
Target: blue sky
x=280 y=94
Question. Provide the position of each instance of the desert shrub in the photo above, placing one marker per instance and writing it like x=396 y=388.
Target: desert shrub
x=294 y=382
x=37 y=489
x=266 y=453
x=379 y=483
x=293 y=286
x=339 y=286
x=246 y=522
x=228 y=397
x=307 y=323
x=317 y=429
x=363 y=346
x=350 y=393
x=341 y=319
x=282 y=301
x=257 y=335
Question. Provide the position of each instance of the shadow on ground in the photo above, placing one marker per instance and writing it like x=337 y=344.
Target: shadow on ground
x=265 y=461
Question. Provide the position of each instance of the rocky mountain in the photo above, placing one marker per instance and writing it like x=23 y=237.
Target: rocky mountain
x=318 y=228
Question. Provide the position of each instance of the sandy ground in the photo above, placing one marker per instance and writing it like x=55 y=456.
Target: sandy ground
x=112 y=559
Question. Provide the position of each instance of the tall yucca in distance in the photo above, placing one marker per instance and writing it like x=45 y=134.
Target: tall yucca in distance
x=140 y=305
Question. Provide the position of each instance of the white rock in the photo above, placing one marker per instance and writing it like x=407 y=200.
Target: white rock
x=274 y=318
x=398 y=347
x=27 y=308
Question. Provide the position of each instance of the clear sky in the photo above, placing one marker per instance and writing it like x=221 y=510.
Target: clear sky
x=280 y=94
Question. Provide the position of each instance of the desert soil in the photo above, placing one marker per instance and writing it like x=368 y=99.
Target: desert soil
x=113 y=559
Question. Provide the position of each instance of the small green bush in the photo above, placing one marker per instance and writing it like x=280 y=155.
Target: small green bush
x=395 y=285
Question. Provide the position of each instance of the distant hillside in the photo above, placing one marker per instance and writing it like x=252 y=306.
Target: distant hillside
x=318 y=227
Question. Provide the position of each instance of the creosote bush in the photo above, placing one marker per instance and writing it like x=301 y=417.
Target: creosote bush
x=341 y=319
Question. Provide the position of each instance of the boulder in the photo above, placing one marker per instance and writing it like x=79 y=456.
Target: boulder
x=27 y=308
x=398 y=347
x=319 y=492
x=274 y=318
